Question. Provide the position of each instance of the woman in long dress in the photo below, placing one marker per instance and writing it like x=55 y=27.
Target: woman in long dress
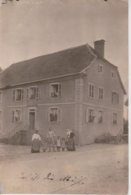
x=51 y=137
x=70 y=140
x=36 y=142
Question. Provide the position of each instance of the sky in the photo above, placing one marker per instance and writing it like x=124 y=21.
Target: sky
x=31 y=28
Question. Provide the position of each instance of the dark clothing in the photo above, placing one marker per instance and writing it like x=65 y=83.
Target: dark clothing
x=71 y=142
x=58 y=148
x=36 y=144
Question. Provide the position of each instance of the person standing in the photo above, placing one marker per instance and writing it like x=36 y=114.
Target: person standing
x=70 y=140
x=36 y=142
x=58 y=144
x=51 y=140
x=63 y=144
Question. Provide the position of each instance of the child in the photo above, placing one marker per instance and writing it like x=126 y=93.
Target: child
x=58 y=143
x=63 y=144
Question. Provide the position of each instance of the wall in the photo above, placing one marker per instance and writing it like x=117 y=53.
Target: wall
x=104 y=80
x=66 y=104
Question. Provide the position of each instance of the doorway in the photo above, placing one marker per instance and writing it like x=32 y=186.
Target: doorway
x=32 y=116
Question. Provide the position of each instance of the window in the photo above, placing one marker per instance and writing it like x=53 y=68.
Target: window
x=16 y=116
x=91 y=90
x=101 y=93
x=55 y=90
x=54 y=114
x=1 y=96
x=115 y=98
x=100 y=68
x=91 y=116
x=0 y=120
x=114 y=118
x=17 y=94
x=100 y=116
x=32 y=93
x=113 y=74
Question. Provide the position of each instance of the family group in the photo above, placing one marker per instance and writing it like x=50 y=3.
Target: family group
x=52 y=142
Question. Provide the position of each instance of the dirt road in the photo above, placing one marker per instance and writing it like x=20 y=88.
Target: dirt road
x=93 y=169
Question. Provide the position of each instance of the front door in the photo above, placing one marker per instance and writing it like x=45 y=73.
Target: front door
x=32 y=119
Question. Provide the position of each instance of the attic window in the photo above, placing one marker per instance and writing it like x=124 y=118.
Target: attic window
x=100 y=68
x=113 y=74
x=55 y=89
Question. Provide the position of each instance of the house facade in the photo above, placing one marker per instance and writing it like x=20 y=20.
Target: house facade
x=75 y=88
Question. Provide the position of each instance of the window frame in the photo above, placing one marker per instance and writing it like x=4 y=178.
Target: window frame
x=88 y=119
x=100 y=68
x=90 y=90
x=100 y=122
x=59 y=89
x=59 y=114
x=99 y=93
x=14 y=94
x=1 y=119
x=114 y=118
x=13 y=116
x=1 y=96
x=115 y=103
x=113 y=73
x=36 y=96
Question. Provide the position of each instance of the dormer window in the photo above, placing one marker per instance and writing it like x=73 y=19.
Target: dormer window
x=55 y=89
x=100 y=68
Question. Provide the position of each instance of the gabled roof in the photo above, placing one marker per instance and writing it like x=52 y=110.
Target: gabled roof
x=62 y=63
x=70 y=61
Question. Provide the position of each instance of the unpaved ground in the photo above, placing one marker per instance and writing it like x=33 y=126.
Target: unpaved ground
x=94 y=169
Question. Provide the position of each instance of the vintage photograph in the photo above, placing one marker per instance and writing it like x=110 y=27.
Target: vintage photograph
x=64 y=97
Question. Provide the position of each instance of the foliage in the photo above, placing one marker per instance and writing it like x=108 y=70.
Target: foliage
x=108 y=138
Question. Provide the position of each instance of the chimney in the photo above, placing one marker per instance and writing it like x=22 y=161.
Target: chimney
x=99 y=47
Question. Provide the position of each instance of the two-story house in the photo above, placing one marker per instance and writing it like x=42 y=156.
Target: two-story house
x=76 y=88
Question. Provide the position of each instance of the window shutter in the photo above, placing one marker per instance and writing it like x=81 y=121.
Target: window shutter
x=59 y=89
x=60 y=115
x=37 y=93
x=27 y=93
x=22 y=94
x=87 y=115
x=12 y=116
x=13 y=95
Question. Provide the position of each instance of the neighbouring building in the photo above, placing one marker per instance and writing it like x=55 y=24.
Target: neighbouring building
x=76 y=88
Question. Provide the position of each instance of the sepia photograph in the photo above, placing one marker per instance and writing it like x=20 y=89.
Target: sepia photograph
x=64 y=97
